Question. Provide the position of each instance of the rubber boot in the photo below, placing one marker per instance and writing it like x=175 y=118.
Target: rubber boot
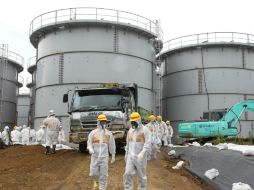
x=47 y=150
x=54 y=149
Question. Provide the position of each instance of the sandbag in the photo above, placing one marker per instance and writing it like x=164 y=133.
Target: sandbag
x=241 y=186
x=212 y=173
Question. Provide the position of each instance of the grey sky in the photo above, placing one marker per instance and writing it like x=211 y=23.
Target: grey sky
x=178 y=17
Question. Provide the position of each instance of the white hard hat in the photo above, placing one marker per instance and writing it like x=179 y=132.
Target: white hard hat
x=6 y=128
x=51 y=112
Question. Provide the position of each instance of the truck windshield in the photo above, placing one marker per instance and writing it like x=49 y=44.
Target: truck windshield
x=84 y=101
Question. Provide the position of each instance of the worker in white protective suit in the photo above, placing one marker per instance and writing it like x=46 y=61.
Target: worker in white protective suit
x=162 y=130
x=155 y=140
x=40 y=135
x=25 y=133
x=100 y=143
x=170 y=132
x=138 y=145
x=16 y=136
x=61 y=136
x=6 y=136
x=52 y=130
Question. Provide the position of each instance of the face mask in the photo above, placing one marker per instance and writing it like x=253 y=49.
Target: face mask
x=134 y=124
x=104 y=125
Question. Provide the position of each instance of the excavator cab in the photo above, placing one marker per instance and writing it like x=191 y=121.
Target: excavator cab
x=214 y=115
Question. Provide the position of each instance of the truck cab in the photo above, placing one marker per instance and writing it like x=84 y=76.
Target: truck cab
x=115 y=101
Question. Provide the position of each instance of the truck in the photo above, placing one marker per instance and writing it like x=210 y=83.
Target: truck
x=116 y=101
x=225 y=126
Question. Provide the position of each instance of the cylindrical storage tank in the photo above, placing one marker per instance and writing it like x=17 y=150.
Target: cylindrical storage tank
x=23 y=108
x=206 y=72
x=30 y=83
x=89 y=46
x=10 y=65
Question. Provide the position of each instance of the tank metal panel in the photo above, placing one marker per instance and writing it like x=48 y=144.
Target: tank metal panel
x=107 y=68
x=85 y=40
x=47 y=71
x=78 y=39
x=218 y=80
x=9 y=115
x=23 y=106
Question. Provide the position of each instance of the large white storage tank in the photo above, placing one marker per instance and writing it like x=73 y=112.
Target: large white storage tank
x=88 y=46
x=205 y=72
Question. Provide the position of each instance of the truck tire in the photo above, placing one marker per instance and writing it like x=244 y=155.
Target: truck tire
x=82 y=147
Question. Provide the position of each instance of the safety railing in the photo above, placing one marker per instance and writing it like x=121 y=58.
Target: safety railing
x=13 y=57
x=31 y=62
x=94 y=14
x=213 y=37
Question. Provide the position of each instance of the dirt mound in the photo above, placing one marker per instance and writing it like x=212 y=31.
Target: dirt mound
x=27 y=168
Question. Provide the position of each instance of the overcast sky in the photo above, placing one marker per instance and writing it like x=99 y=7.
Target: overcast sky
x=178 y=17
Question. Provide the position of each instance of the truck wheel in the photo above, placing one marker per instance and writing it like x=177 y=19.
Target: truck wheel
x=82 y=148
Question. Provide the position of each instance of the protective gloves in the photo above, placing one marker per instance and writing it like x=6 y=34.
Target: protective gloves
x=141 y=155
x=113 y=159
x=91 y=151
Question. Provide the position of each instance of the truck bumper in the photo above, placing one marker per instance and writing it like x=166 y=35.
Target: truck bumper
x=82 y=137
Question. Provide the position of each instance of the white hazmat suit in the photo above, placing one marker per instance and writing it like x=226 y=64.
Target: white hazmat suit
x=155 y=140
x=40 y=135
x=100 y=143
x=52 y=130
x=137 y=147
x=32 y=136
x=6 y=135
x=16 y=136
x=162 y=131
x=170 y=133
x=61 y=136
x=25 y=133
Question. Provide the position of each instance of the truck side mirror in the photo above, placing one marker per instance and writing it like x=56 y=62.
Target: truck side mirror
x=65 y=98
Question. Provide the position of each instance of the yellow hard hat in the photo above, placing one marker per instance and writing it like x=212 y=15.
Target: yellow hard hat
x=168 y=122
x=151 y=117
x=135 y=116
x=159 y=117
x=42 y=126
x=102 y=117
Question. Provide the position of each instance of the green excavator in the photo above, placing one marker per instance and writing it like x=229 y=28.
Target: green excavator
x=226 y=126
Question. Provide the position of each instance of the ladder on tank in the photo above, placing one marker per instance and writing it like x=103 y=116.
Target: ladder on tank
x=3 y=65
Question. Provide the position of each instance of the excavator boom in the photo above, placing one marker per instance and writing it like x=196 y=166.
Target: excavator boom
x=226 y=126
